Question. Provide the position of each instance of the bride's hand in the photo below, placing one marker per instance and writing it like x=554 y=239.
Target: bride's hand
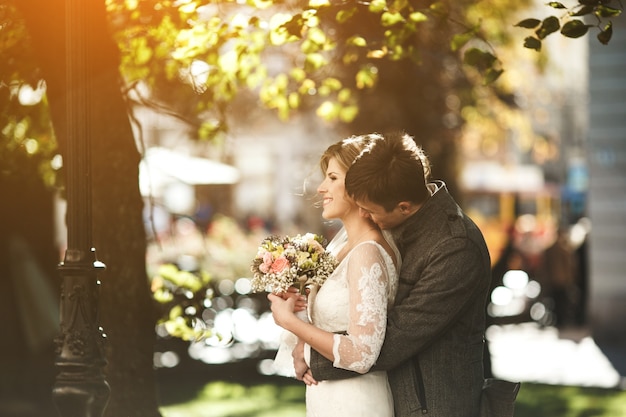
x=300 y=299
x=282 y=309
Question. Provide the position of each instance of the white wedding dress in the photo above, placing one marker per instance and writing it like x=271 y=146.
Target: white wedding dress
x=354 y=300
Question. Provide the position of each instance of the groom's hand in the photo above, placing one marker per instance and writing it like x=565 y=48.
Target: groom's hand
x=299 y=363
x=308 y=379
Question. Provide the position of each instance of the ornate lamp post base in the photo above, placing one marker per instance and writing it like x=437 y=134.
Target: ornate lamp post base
x=80 y=389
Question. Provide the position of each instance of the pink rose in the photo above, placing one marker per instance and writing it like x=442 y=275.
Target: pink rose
x=267 y=262
x=280 y=264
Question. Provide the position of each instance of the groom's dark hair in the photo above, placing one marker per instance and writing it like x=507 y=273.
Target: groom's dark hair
x=391 y=169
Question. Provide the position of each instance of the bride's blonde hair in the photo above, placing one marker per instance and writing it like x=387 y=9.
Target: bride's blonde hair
x=346 y=151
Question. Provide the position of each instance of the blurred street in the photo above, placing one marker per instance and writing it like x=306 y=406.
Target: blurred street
x=527 y=352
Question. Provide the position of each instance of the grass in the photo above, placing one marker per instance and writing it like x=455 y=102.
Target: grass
x=227 y=399
x=535 y=400
x=233 y=399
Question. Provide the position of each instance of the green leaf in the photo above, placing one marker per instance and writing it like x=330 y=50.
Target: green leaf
x=332 y=83
x=389 y=19
x=356 y=41
x=532 y=43
x=366 y=77
x=438 y=9
x=549 y=25
x=317 y=35
x=606 y=11
x=348 y=113
x=418 y=17
x=460 y=39
x=316 y=4
x=528 y=23
x=344 y=15
x=344 y=95
x=480 y=59
x=143 y=52
x=605 y=34
x=328 y=110
x=314 y=61
x=492 y=75
x=574 y=29
x=298 y=74
x=323 y=91
x=585 y=10
x=556 y=5
x=294 y=100
x=377 y=6
x=262 y=4
x=190 y=7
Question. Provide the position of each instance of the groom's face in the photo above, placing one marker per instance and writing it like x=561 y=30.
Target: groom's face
x=383 y=218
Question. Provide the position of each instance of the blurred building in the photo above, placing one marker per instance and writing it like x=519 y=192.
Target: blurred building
x=606 y=152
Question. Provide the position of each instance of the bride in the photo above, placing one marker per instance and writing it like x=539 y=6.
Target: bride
x=349 y=312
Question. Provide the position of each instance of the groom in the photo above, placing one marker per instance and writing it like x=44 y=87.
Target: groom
x=433 y=348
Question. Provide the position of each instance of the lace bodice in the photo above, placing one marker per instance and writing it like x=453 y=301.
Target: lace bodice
x=353 y=303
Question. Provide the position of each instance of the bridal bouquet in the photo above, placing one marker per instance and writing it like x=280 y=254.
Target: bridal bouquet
x=284 y=261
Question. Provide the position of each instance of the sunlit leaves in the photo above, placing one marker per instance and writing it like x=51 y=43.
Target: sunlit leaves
x=274 y=94
x=356 y=41
x=209 y=128
x=314 y=61
x=284 y=28
x=367 y=77
x=307 y=86
x=378 y=53
x=187 y=6
x=377 y=6
x=329 y=85
x=418 y=17
x=345 y=14
x=317 y=36
x=318 y=3
x=261 y=4
x=27 y=144
x=330 y=110
x=234 y=39
x=390 y=19
x=574 y=28
x=186 y=294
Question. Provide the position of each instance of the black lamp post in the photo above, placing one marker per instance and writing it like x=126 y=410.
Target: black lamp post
x=80 y=389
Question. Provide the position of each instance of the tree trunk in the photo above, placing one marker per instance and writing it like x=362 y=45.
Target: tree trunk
x=126 y=310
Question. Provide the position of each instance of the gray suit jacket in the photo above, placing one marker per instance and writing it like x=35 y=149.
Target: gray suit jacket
x=433 y=349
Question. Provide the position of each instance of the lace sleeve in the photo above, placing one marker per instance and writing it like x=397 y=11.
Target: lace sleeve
x=368 y=283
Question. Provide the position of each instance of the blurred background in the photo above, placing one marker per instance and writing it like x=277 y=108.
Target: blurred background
x=207 y=123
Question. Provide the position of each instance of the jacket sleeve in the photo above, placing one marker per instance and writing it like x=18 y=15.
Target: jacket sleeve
x=323 y=369
x=438 y=293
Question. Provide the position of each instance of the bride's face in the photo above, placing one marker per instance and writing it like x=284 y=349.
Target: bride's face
x=335 y=202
